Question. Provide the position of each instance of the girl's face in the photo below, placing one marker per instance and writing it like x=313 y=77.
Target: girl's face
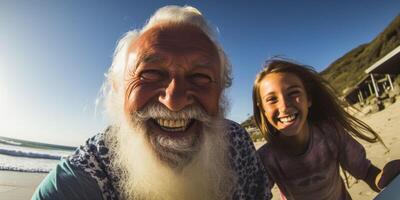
x=285 y=103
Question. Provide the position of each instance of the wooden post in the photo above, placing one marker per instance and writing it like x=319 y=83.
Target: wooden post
x=390 y=81
x=360 y=96
x=375 y=86
x=370 y=89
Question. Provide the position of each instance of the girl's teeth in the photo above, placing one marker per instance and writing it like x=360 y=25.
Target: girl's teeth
x=287 y=119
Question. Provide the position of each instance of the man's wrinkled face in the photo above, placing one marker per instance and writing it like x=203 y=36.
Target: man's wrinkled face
x=173 y=72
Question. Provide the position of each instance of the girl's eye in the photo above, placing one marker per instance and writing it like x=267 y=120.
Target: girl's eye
x=200 y=79
x=152 y=75
x=294 y=93
x=271 y=100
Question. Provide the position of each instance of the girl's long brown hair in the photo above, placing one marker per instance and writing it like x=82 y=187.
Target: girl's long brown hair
x=325 y=108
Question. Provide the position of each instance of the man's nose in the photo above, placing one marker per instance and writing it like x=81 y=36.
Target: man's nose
x=176 y=96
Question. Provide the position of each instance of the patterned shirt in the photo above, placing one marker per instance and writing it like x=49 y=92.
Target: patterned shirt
x=93 y=159
x=315 y=174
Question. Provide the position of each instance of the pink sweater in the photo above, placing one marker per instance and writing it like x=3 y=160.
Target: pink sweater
x=315 y=174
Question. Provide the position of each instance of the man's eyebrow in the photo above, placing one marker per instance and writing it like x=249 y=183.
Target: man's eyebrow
x=204 y=62
x=149 y=58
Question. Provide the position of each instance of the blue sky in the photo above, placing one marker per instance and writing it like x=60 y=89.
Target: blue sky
x=53 y=54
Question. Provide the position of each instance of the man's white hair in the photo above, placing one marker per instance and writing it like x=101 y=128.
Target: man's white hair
x=113 y=87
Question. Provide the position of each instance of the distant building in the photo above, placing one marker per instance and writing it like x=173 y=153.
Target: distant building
x=378 y=80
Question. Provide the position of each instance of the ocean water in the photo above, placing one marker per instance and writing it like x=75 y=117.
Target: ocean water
x=26 y=156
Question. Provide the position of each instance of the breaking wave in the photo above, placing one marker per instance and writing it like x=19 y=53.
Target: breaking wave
x=25 y=169
x=28 y=154
x=10 y=142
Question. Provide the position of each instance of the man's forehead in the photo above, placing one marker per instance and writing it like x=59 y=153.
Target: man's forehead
x=174 y=37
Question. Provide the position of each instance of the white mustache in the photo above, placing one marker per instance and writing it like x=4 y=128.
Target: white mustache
x=157 y=110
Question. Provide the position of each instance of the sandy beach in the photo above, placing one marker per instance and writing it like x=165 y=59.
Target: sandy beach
x=21 y=185
x=18 y=185
x=387 y=124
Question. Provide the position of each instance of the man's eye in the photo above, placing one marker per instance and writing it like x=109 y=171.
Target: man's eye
x=200 y=79
x=152 y=75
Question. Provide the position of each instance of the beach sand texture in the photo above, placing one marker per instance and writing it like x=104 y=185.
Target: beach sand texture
x=21 y=185
x=18 y=185
x=387 y=124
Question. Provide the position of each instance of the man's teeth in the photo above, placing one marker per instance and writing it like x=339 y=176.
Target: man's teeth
x=173 y=124
x=288 y=118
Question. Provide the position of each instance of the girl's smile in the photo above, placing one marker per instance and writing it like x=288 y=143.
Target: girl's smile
x=285 y=103
x=288 y=120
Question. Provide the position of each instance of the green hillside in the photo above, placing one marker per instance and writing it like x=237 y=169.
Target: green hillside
x=346 y=71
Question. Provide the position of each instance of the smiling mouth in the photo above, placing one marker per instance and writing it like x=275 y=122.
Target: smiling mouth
x=174 y=125
x=288 y=118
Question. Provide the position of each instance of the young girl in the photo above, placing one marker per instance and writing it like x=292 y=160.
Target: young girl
x=309 y=135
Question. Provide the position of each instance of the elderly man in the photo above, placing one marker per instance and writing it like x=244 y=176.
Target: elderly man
x=168 y=139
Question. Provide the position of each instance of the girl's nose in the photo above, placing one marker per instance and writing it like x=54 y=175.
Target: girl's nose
x=176 y=96
x=284 y=104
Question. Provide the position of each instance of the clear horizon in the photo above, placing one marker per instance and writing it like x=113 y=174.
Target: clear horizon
x=53 y=55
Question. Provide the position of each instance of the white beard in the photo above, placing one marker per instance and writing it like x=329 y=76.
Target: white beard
x=143 y=176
